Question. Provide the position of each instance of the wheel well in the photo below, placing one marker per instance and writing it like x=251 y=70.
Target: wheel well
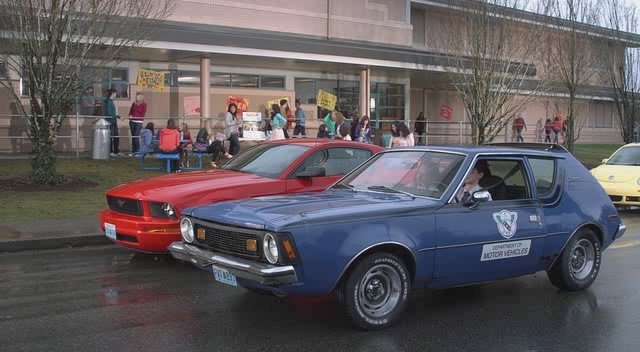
x=597 y=230
x=398 y=250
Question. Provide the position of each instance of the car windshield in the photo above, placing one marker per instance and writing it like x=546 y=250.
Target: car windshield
x=626 y=156
x=414 y=173
x=266 y=160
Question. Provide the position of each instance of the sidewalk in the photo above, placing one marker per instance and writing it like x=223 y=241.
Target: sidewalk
x=50 y=234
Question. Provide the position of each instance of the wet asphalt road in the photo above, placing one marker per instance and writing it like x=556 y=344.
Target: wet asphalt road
x=110 y=299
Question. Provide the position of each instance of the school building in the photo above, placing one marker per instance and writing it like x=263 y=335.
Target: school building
x=262 y=50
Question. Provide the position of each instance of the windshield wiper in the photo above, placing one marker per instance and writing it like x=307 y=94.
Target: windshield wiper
x=391 y=190
x=345 y=185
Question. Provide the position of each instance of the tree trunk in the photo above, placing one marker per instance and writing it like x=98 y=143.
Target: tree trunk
x=43 y=161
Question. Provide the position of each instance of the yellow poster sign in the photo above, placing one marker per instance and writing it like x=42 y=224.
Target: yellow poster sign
x=326 y=100
x=276 y=101
x=150 y=79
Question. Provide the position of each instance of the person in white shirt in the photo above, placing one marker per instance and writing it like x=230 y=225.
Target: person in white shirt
x=471 y=184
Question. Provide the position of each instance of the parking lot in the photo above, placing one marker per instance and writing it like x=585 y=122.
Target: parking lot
x=111 y=299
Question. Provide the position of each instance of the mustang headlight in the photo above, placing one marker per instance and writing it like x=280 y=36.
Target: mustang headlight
x=162 y=210
x=270 y=247
x=186 y=230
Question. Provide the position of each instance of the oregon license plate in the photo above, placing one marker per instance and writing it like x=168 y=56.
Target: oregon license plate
x=110 y=230
x=224 y=276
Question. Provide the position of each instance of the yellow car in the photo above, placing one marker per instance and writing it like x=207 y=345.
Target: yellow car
x=620 y=175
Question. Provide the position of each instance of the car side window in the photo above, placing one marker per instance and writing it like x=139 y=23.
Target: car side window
x=506 y=180
x=336 y=161
x=544 y=171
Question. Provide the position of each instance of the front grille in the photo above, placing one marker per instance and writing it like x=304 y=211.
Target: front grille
x=616 y=198
x=228 y=240
x=125 y=206
x=633 y=199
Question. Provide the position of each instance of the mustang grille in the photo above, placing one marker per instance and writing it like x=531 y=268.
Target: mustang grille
x=125 y=206
x=633 y=199
x=616 y=198
x=228 y=240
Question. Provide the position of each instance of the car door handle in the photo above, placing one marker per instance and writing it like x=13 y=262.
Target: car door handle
x=535 y=218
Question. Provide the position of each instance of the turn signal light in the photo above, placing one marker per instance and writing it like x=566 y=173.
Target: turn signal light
x=252 y=245
x=200 y=233
x=172 y=229
x=288 y=248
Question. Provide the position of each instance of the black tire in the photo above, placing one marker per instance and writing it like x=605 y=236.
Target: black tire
x=388 y=281
x=565 y=273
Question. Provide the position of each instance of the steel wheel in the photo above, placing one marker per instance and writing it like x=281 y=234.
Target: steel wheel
x=582 y=259
x=379 y=290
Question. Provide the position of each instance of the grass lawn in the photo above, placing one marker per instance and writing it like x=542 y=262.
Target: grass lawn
x=591 y=155
x=68 y=204
x=86 y=202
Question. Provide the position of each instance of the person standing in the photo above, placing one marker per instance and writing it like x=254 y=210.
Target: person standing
x=278 y=124
x=548 y=128
x=288 y=115
x=231 y=132
x=420 y=125
x=557 y=129
x=330 y=120
x=136 y=118
x=365 y=130
x=518 y=125
x=112 y=117
x=401 y=136
x=300 y=120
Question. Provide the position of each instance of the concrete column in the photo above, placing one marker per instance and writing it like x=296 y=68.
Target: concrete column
x=365 y=92
x=205 y=111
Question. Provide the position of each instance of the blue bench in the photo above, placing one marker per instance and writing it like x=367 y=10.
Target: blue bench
x=198 y=156
x=142 y=166
x=168 y=158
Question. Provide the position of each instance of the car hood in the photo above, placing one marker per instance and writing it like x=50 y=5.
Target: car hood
x=616 y=173
x=275 y=212
x=179 y=187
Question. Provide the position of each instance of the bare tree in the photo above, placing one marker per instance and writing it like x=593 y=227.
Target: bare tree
x=52 y=43
x=571 y=56
x=491 y=63
x=621 y=65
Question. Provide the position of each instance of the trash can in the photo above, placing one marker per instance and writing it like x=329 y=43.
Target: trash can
x=101 y=139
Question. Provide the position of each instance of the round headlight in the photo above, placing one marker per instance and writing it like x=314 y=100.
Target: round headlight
x=186 y=229
x=638 y=181
x=270 y=247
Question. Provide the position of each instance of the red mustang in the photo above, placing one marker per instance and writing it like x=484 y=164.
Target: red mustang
x=144 y=214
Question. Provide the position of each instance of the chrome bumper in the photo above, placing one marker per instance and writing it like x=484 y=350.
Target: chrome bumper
x=622 y=228
x=261 y=273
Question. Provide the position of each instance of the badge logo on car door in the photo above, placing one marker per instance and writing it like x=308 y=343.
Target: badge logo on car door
x=507 y=223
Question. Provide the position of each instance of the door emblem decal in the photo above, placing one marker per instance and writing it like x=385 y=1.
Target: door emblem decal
x=507 y=223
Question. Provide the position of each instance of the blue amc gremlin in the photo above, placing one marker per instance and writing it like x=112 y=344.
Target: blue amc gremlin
x=412 y=218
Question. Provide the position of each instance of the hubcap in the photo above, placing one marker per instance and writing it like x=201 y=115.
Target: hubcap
x=379 y=290
x=582 y=260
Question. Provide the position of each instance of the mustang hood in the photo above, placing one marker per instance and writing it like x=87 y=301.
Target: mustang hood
x=331 y=205
x=616 y=173
x=176 y=186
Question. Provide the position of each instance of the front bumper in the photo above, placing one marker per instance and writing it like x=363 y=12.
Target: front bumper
x=263 y=274
x=143 y=234
x=622 y=194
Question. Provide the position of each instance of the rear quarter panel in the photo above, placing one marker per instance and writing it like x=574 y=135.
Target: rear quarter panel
x=582 y=202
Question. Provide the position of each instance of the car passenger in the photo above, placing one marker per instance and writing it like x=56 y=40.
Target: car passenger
x=471 y=184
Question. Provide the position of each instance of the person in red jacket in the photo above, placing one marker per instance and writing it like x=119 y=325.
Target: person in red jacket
x=169 y=142
x=136 y=119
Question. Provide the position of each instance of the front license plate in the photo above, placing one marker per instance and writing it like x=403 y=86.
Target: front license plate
x=110 y=230
x=224 y=276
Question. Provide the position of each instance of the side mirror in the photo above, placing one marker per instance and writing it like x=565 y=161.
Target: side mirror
x=481 y=196
x=604 y=161
x=312 y=171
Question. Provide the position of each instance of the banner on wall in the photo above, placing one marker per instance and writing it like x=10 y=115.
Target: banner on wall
x=326 y=100
x=446 y=112
x=150 y=79
x=277 y=102
x=241 y=103
x=191 y=105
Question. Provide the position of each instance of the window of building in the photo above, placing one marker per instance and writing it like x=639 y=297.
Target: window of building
x=387 y=104
x=602 y=115
x=180 y=78
x=417 y=21
x=271 y=82
x=544 y=171
x=346 y=92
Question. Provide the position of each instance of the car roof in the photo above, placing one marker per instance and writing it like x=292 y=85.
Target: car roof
x=534 y=149
x=313 y=142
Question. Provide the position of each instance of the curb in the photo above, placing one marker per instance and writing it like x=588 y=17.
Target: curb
x=96 y=239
